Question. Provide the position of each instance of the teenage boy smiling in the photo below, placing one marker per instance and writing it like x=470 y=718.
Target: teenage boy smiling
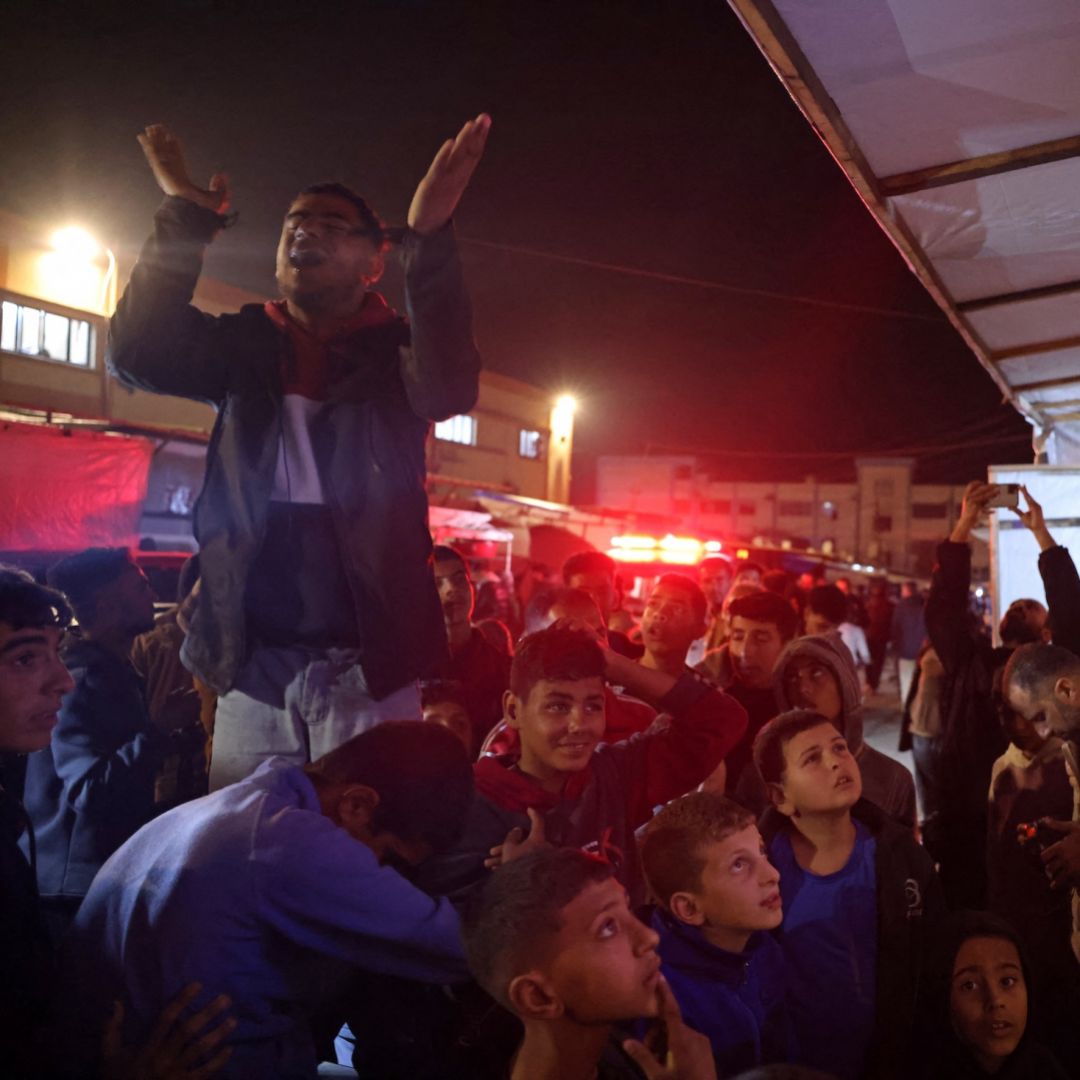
x=561 y=784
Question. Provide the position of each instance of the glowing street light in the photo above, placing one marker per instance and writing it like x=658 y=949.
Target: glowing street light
x=560 y=448
x=75 y=244
x=71 y=273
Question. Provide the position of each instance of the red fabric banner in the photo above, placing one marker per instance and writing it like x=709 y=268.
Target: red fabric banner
x=68 y=490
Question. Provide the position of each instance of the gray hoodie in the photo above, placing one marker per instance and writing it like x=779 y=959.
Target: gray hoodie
x=885 y=782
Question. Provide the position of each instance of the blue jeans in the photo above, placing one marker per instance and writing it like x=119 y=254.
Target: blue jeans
x=926 y=753
x=298 y=704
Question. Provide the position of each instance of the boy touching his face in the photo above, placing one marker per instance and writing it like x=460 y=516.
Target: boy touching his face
x=856 y=890
x=551 y=937
x=719 y=897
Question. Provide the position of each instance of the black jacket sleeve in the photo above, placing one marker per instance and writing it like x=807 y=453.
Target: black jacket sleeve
x=1062 y=585
x=157 y=340
x=947 y=622
x=441 y=367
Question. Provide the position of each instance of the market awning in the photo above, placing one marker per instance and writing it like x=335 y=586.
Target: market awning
x=958 y=123
x=65 y=489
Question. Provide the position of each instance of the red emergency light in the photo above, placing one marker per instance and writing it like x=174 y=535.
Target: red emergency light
x=673 y=550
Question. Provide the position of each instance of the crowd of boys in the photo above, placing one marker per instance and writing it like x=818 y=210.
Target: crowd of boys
x=320 y=811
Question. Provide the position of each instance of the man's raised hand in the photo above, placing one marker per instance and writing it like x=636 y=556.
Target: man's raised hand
x=976 y=495
x=165 y=156
x=441 y=189
x=1034 y=520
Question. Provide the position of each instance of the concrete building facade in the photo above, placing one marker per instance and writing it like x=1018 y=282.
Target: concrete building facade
x=56 y=293
x=882 y=519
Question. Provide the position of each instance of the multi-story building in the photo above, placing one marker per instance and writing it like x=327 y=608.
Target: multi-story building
x=57 y=290
x=883 y=518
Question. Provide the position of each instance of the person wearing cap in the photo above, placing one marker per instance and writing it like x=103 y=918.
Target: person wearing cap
x=318 y=610
x=93 y=785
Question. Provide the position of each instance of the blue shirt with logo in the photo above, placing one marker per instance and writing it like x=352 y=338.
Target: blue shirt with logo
x=829 y=938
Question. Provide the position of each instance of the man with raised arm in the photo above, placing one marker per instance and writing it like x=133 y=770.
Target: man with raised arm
x=318 y=607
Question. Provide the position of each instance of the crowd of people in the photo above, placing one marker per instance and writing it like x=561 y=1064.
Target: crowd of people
x=326 y=815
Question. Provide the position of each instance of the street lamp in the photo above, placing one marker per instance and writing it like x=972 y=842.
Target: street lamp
x=560 y=448
x=71 y=273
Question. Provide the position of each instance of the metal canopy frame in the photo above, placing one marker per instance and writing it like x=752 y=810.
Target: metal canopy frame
x=766 y=24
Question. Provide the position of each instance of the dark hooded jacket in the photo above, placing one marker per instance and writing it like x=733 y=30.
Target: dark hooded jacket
x=92 y=787
x=25 y=951
x=936 y=1053
x=908 y=901
x=737 y=999
x=393 y=378
x=885 y=782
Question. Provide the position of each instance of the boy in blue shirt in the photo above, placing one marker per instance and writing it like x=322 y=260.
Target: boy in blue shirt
x=856 y=892
x=707 y=867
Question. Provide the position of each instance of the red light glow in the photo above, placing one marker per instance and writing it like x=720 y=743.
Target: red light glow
x=672 y=550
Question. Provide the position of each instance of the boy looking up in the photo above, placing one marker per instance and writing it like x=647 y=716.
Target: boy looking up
x=856 y=889
x=561 y=783
x=719 y=896
x=552 y=938
x=673 y=620
x=819 y=673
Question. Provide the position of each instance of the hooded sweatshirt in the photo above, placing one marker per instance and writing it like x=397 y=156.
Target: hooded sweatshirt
x=885 y=782
x=737 y=1000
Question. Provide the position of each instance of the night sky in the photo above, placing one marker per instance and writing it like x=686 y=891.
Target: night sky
x=647 y=137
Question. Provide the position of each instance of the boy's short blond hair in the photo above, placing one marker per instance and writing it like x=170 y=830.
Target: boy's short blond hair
x=672 y=846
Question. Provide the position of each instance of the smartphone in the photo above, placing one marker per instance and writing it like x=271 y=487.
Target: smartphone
x=1007 y=497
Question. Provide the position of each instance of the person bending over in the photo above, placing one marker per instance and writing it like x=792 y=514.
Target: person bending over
x=274 y=890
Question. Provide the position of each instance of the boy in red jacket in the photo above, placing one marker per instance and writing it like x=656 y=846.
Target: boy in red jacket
x=566 y=787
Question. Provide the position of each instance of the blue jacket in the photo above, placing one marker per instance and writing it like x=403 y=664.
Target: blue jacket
x=255 y=893
x=736 y=999
x=93 y=786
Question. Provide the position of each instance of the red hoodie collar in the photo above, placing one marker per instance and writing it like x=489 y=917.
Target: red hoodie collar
x=373 y=311
x=497 y=779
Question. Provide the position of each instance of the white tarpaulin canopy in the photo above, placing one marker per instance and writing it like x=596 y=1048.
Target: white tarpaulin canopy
x=958 y=122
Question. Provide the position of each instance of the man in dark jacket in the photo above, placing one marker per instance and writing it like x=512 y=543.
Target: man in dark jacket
x=93 y=785
x=318 y=608
x=972 y=738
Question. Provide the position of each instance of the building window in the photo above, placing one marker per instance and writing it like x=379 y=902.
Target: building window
x=32 y=331
x=531 y=444
x=882 y=523
x=459 y=429
x=716 y=506
x=927 y=511
x=747 y=509
x=793 y=509
x=684 y=472
x=884 y=489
